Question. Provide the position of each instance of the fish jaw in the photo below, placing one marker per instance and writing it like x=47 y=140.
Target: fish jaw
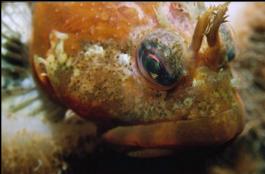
x=178 y=134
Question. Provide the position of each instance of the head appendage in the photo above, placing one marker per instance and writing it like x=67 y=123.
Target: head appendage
x=208 y=24
x=218 y=18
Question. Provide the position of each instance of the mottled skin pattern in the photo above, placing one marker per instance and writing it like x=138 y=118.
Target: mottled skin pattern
x=77 y=50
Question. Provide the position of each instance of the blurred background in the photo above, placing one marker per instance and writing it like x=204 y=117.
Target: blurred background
x=29 y=145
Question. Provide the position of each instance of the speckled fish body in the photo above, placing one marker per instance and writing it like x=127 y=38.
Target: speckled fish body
x=158 y=71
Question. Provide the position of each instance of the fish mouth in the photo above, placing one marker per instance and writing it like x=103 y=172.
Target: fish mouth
x=205 y=131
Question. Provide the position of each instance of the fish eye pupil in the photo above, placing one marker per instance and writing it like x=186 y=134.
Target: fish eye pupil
x=230 y=54
x=151 y=64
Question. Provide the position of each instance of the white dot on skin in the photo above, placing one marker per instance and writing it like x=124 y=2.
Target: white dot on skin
x=94 y=50
x=124 y=59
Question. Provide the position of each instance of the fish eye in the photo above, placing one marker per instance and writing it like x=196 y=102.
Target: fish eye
x=159 y=59
x=228 y=41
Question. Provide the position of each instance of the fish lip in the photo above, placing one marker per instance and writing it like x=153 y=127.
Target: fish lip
x=182 y=133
